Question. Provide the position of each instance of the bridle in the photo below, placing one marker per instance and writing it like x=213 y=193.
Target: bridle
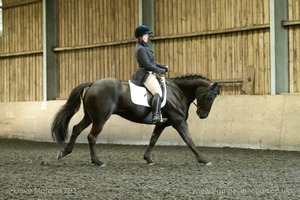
x=203 y=93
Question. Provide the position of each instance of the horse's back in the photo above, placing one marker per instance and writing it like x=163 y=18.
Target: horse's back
x=106 y=81
x=108 y=88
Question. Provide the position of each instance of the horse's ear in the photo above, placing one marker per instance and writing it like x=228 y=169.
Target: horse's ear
x=213 y=86
x=216 y=86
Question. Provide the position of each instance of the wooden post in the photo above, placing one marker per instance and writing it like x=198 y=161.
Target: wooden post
x=147 y=15
x=49 y=58
x=279 y=47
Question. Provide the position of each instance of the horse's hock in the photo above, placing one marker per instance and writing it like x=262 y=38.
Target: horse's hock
x=260 y=122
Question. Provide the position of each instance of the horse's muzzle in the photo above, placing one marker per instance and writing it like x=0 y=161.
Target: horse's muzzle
x=202 y=113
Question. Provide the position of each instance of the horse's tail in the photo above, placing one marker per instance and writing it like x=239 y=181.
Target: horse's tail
x=62 y=119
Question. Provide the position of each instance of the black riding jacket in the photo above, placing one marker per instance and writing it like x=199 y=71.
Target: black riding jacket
x=145 y=59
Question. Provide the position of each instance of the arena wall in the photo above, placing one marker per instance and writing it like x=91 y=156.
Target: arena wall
x=257 y=122
x=94 y=39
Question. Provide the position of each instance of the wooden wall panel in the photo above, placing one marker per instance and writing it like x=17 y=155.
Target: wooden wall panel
x=21 y=67
x=222 y=55
x=93 y=64
x=20 y=78
x=95 y=40
x=294 y=44
x=219 y=39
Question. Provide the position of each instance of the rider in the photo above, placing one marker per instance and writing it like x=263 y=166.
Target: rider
x=145 y=59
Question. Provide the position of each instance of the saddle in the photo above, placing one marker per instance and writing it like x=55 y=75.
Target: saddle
x=141 y=96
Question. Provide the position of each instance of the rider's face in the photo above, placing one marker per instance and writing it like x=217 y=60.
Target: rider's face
x=145 y=37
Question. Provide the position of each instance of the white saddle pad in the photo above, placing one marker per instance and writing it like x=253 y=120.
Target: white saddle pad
x=139 y=94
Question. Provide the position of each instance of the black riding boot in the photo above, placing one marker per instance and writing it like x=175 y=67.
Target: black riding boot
x=156 y=102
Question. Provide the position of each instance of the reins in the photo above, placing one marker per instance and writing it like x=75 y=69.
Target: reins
x=195 y=104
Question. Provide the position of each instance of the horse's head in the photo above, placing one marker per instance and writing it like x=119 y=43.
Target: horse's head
x=205 y=99
x=201 y=88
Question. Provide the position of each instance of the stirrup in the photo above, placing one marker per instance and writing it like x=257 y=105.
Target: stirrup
x=158 y=119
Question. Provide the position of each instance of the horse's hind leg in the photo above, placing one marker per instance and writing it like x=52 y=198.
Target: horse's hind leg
x=77 y=129
x=155 y=135
x=92 y=138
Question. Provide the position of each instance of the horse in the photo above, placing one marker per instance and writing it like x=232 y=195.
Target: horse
x=108 y=96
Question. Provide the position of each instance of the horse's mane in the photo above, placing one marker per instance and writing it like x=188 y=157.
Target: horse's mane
x=190 y=77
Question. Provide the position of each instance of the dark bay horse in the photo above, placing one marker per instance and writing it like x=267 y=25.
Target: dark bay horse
x=105 y=97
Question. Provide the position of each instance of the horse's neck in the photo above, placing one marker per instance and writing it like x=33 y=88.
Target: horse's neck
x=192 y=84
x=188 y=87
x=185 y=89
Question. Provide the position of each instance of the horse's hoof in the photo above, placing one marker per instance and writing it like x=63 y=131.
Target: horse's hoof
x=209 y=164
x=98 y=164
x=151 y=163
x=103 y=165
x=60 y=155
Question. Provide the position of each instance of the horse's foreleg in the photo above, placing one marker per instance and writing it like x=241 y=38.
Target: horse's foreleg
x=77 y=129
x=184 y=133
x=92 y=138
x=155 y=135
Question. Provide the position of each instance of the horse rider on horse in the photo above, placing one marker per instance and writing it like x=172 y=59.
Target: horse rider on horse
x=147 y=66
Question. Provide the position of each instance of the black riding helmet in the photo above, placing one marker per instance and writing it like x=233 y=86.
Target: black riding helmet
x=141 y=30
